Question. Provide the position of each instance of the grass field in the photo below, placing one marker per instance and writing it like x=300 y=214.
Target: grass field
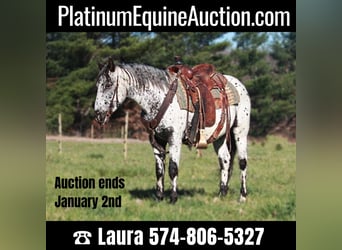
x=271 y=183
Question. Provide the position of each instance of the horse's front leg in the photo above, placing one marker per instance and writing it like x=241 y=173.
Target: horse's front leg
x=175 y=152
x=160 y=172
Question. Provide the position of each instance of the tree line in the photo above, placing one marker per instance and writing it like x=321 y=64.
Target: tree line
x=264 y=62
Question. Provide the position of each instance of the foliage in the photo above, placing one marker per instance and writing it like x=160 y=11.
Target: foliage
x=284 y=51
x=72 y=96
x=69 y=52
x=264 y=62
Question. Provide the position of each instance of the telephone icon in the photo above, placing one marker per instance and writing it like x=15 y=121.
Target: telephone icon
x=82 y=237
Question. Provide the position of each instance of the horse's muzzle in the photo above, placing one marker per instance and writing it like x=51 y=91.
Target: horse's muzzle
x=101 y=118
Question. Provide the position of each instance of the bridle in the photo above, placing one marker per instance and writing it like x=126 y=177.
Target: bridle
x=115 y=95
x=104 y=71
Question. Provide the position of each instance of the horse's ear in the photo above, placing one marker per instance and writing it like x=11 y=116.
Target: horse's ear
x=100 y=65
x=111 y=65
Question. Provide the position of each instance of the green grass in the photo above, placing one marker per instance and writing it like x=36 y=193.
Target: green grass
x=271 y=183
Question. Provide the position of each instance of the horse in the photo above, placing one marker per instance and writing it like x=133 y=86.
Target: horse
x=148 y=86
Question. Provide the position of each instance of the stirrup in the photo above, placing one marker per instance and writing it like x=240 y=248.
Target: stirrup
x=202 y=143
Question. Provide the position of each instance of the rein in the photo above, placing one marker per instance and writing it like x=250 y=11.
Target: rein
x=152 y=124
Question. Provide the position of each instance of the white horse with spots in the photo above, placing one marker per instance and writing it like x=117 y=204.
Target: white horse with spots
x=148 y=86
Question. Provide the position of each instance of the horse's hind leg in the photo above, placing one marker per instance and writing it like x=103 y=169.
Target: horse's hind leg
x=240 y=135
x=225 y=162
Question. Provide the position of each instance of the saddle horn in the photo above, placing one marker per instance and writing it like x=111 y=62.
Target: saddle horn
x=178 y=60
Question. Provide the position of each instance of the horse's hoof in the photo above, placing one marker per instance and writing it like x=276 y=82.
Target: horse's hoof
x=173 y=197
x=243 y=199
x=223 y=190
x=159 y=195
x=243 y=195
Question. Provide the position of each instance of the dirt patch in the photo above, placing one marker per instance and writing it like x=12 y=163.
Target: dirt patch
x=87 y=139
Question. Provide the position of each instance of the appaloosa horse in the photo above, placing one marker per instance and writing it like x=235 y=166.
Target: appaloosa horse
x=149 y=87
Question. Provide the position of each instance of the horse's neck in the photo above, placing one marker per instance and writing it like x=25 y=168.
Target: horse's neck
x=148 y=96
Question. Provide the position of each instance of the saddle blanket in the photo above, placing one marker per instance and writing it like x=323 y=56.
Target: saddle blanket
x=232 y=94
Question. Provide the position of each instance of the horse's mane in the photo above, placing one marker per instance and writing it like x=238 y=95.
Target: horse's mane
x=145 y=74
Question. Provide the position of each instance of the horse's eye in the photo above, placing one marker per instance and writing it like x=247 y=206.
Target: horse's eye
x=107 y=85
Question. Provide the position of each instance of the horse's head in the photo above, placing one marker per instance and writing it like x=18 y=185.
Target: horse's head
x=110 y=95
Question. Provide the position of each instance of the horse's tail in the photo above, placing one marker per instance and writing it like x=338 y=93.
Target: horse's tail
x=232 y=146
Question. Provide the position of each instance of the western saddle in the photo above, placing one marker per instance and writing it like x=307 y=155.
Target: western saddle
x=198 y=82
